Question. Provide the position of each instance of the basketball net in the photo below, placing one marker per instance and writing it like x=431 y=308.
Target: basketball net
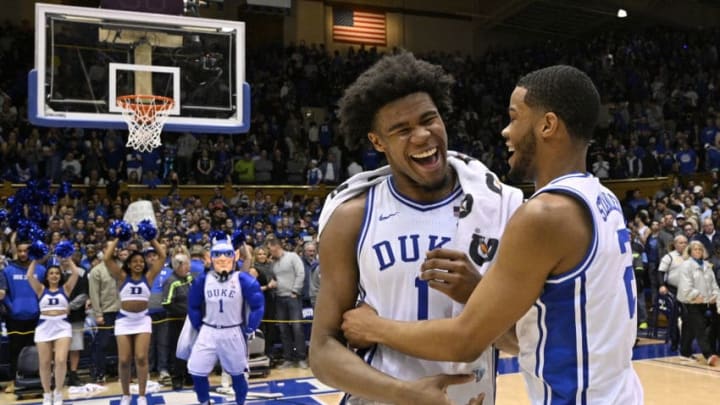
x=145 y=116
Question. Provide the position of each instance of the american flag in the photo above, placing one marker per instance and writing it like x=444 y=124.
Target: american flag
x=359 y=27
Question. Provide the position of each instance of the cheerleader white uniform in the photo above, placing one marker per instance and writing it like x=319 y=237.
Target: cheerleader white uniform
x=132 y=323
x=53 y=327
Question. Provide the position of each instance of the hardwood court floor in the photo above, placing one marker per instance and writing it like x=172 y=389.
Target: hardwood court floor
x=666 y=378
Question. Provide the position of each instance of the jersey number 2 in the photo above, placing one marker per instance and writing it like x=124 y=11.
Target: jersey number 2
x=629 y=275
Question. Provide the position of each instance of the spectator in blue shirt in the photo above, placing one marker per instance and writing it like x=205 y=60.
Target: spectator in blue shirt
x=21 y=302
x=687 y=159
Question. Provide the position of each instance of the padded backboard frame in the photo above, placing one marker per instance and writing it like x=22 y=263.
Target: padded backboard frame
x=42 y=114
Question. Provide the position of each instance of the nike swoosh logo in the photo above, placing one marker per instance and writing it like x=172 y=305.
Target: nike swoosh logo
x=382 y=218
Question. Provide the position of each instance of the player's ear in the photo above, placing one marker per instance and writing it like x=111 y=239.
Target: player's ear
x=549 y=124
x=375 y=141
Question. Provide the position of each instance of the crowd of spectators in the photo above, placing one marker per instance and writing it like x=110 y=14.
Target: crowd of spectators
x=659 y=87
x=676 y=251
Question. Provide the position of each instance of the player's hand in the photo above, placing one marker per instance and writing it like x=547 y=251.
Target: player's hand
x=100 y=320
x=357 y=323
x=451 y=272
x=663 y=290
x=433 y=390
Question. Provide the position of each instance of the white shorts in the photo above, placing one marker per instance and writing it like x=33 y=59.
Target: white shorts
x=132 y=323
x=78 y=331
x=51 y=328
x=227 y=345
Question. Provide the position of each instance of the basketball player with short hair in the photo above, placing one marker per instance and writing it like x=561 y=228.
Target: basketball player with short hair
x=563 y=269
x=376 y=238
x=217 y=309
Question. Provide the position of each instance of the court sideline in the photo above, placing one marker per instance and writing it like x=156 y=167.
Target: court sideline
x=666 y=378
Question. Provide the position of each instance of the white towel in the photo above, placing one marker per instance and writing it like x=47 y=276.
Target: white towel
x=487 y=205
x=150 y=387
x=85 y=391
x=186 y=340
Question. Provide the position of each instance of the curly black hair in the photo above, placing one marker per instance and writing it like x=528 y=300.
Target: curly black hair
x=391 y=78
x=569 y=93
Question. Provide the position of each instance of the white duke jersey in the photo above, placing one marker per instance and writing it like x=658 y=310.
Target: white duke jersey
x=576 y=341
x=53 y=301
x=396 y=233
x=224 y=304
x=132 y=290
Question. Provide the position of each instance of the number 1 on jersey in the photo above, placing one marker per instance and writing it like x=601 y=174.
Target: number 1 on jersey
x=221 y=308
x=422 y=305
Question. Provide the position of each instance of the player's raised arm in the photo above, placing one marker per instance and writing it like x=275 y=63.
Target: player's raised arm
x=158 y=263
x=36 y=285
x=74 y=275
x=110 y=262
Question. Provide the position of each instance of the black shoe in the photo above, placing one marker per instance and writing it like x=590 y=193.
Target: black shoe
x=177 y=385
x=73 y=379
x=100 y=379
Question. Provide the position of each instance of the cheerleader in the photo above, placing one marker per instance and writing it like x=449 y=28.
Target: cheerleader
x=133 y=326
x=54 y=332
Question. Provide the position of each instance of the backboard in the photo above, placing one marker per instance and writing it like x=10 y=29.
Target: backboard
x=87 y=57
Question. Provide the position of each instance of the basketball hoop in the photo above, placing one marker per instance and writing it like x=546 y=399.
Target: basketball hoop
x=145 y=116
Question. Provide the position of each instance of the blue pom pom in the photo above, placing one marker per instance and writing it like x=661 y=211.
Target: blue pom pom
x=217 y=235
x=37 y=216
x=147 y=230
x=23 y=196
x=36 y=233
x=64 y=249
x=238 y=238
x=121 y=230
x=11 y=201
x=23 y=234
x=37 y=250
x=29 y=231
x=3 y=214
